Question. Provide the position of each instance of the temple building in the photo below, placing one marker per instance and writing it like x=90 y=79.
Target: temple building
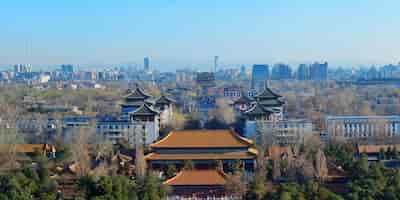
x=264 y=117
x=242 y=103
x=165 y=104
x=198 y=184
x=203 y=148
x=134 y=100
x=140 y=119
x=270 y=101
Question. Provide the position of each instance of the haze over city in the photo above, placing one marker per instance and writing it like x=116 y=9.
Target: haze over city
x=178 y=34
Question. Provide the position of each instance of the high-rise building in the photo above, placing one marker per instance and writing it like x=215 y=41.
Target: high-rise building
x=22 y=68
x=215 y=63
x=146 y=63
x=373 y=73
x=281 y=72
x=259 y=75
x=67 y=68
x=303 y=72
x=319 y=72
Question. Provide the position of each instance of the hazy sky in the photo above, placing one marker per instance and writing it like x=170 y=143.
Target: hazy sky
x=173 y=33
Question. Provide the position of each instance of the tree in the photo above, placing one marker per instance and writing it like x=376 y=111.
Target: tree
x=389 y=153
x=9 y=139
x=192 y=124
x=80 y=148
x=235 y=185
x=171 y=171
x=382 y=154
x=188 y=165
x=215 y=123
x=178 y=120
x=223 y=112
x=256 y=189
x=285 y=196
x=395 y=153
x=140 y=163
x=152 y=188
x=321 y=164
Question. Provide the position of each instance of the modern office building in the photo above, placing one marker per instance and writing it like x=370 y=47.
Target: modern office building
x=303 y=72
x=319 y=72
x=67 y=68
x=146 y=64
x=282 y=132
x=21 y=68
x=281 y=72
x=259 y=75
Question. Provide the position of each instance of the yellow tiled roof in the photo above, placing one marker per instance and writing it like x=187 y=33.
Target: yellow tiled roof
x=197 y=177
x=202 y=139
x=203 y=156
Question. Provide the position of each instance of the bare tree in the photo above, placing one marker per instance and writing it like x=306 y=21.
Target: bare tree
x=80 y=149
x=9 y=139
x=321 y=166
x=140 y=163
x=224 y=111
x=178 y=121
x=236 y=186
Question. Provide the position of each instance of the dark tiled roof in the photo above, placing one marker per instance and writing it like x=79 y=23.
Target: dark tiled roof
x=243 y=100
x=267 y=94
x=163 y=99
x=258 y=109
x=271 y=102
x=137 y=94
x=145 y=110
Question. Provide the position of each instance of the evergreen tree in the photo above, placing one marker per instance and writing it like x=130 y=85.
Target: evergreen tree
x=171 y=171
x=188 y=165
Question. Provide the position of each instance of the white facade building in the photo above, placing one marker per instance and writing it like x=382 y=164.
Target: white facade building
x=283 y=132
x=347 y=127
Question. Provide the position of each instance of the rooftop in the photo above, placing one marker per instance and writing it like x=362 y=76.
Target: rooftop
x=137 y=94
x=332 y=117
x=267 y=94
x=202 y=139
x=375 y=148
x=163 y=99
x=197 y=177
x=27 y=148
x=241 y=155
x=145 y=110
x=258 y=109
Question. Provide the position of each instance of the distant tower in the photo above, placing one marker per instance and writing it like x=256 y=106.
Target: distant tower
x=215 y=63
x=146 y=63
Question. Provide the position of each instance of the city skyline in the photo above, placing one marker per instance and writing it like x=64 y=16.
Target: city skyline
x=183 y=34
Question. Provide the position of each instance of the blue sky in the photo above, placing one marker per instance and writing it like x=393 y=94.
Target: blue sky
x=175 y=33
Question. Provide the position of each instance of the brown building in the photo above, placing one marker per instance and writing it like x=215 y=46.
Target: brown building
x=203 y=147
x=197 y=184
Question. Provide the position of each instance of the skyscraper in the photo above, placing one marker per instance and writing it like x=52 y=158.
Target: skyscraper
x=260 y=74
x=146 y=63
x=20 y=68
x=281 y=72
x=303 y=72
x=67 y=69
x=215 y=63
x=319 y=72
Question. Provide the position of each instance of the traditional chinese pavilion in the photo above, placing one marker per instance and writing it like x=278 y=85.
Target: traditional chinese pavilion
x=270 y=100
x=203 y=148
x=198 y=184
